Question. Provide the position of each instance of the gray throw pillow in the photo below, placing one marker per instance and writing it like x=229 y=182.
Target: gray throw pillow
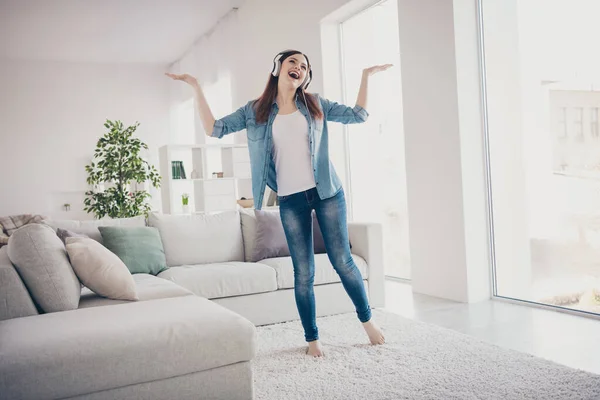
x=42 y=262
x=270 y=239
x=15 y=300
x=63 y=234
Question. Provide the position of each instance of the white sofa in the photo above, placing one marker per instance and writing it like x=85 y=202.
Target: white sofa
x=191 y=335
x=209 y=255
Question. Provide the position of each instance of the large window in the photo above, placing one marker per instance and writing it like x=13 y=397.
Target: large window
x=542 y=94
x=375 y=151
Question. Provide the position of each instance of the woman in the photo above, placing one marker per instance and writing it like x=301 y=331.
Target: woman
x=288 y=144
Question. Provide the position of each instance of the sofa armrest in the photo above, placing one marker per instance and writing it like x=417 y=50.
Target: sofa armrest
x=367 y=242
x=77 y=352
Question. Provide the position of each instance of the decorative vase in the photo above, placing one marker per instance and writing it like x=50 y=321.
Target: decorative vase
x=195 y=174
x=186 y=208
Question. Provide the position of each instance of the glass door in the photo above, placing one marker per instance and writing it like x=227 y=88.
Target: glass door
x=376 y=188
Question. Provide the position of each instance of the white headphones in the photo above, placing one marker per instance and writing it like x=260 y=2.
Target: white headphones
x=277 y=68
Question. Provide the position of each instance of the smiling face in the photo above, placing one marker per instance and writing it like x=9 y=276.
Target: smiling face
x=294 y=70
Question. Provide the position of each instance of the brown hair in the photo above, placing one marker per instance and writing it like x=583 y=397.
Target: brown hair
x=263 y=104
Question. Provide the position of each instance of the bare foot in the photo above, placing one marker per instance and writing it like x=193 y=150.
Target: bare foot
x=375 y=334
x=315 y=349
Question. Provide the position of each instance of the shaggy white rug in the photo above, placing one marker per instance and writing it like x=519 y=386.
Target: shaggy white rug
x=419 y=361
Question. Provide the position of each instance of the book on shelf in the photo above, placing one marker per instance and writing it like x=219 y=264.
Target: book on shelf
x=178 y=170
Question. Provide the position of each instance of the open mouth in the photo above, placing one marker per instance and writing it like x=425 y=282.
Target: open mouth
x=294 y=74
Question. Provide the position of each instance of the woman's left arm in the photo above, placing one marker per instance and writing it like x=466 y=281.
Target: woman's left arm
x=361 y=100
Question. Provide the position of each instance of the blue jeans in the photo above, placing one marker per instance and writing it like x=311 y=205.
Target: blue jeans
x=296 y=216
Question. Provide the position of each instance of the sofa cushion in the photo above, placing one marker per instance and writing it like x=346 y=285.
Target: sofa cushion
x=61 y=355
x=223 y=279
x=15 y=301
x=324 y=272
x=100 y=269
x=200 y=238
x=148 y=287
x=41 y=260
x=140 y=248
x=90 y=227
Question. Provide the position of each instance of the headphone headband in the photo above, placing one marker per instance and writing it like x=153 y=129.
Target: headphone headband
x=277 y=66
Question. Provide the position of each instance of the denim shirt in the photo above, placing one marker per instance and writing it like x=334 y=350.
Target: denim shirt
x=260 y=144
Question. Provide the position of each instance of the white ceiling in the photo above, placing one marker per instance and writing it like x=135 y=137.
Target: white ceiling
x=105 y=31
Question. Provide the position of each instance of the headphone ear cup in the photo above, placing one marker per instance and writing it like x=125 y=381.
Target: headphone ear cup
x=308 y=80
x=276 y=65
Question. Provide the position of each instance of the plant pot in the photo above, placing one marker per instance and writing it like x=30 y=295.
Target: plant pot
x=186 y=208
x=246 y=203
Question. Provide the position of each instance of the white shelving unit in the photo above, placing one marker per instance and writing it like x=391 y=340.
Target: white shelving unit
x=236 y=162
x=206 y=193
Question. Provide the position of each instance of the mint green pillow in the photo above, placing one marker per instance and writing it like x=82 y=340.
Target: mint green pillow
x=140 y=248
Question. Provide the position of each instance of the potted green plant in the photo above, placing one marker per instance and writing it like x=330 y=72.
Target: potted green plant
x=185 y=198
x=118 y=164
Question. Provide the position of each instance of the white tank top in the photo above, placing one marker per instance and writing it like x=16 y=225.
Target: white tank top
x=291 y=153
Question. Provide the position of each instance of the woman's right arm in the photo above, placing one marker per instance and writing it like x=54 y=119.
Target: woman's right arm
x=215 y=128
x=206 y=115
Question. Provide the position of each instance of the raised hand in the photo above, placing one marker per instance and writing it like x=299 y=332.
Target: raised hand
x=206 y=115
x=376 y=68
x=189 y=79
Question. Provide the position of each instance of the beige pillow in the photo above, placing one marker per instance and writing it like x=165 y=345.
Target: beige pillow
x=100 y=270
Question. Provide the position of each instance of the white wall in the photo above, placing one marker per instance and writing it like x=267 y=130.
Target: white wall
x=432 y=148
x=52 y=115
x=444 y=163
